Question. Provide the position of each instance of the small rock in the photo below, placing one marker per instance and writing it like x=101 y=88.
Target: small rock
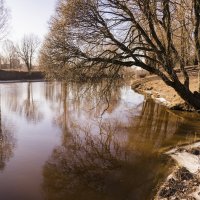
x=184 y=174
x=195 y=152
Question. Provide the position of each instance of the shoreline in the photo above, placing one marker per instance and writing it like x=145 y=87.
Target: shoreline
x=22 y=81
x=140 y=87
x=163 y=94
x=184 y=180
x=14 y=76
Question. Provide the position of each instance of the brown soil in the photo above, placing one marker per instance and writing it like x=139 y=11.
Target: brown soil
x=157 y=88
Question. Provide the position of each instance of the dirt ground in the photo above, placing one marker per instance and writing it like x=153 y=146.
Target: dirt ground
x=158 y=89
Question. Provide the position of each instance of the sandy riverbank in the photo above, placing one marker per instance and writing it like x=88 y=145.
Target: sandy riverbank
x=155 y=88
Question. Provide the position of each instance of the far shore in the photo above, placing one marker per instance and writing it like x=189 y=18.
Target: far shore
x=20 y=76
x=22 y=81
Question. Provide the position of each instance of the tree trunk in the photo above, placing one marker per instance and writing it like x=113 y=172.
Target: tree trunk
x=198 y=78
x=196 y=34
x=29 y=71
x=187 y=95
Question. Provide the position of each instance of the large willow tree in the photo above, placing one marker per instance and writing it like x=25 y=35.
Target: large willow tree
x=90 y=37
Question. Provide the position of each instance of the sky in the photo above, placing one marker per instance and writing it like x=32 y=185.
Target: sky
x=29 y=16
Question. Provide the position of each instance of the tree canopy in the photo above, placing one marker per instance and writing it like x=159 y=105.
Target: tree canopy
x=90 y=37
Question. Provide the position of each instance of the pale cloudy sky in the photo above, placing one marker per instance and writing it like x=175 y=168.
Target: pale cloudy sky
x=29 y=16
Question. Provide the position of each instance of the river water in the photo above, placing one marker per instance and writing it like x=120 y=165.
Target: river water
x=74 y=142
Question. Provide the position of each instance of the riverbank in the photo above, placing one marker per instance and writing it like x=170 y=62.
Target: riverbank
x=155 y=88
x=6 y=76
x=184 y=181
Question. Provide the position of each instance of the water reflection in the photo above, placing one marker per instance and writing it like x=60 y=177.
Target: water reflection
x=29 y=107
x=160 y=127
x=143 y=121
x=117 y=157
x=79 y=141
x=7 y=143
x=100 y=166
x=94 y=98
x=21 y=101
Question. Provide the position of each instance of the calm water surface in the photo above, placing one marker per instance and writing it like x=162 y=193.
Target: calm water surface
x=63 y=142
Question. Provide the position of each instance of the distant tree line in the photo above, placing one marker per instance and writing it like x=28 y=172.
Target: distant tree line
x=14 y=55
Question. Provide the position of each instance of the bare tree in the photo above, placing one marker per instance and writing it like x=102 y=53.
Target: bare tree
x=10 y=53
x=27 y=50
x=111 y=34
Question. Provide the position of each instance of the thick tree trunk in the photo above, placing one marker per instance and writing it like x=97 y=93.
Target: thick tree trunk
x=196 y=34
x=187 y=95
x=199 y=78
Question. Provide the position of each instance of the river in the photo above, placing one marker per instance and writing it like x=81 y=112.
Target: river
x=67 y=141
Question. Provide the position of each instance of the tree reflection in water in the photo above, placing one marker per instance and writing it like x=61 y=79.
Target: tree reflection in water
x=7 y=143
x=158 y=127
x=99 y=166
x=112 y=158
x=29 y=108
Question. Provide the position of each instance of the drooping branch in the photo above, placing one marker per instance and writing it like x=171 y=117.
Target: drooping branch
x=106 y=35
